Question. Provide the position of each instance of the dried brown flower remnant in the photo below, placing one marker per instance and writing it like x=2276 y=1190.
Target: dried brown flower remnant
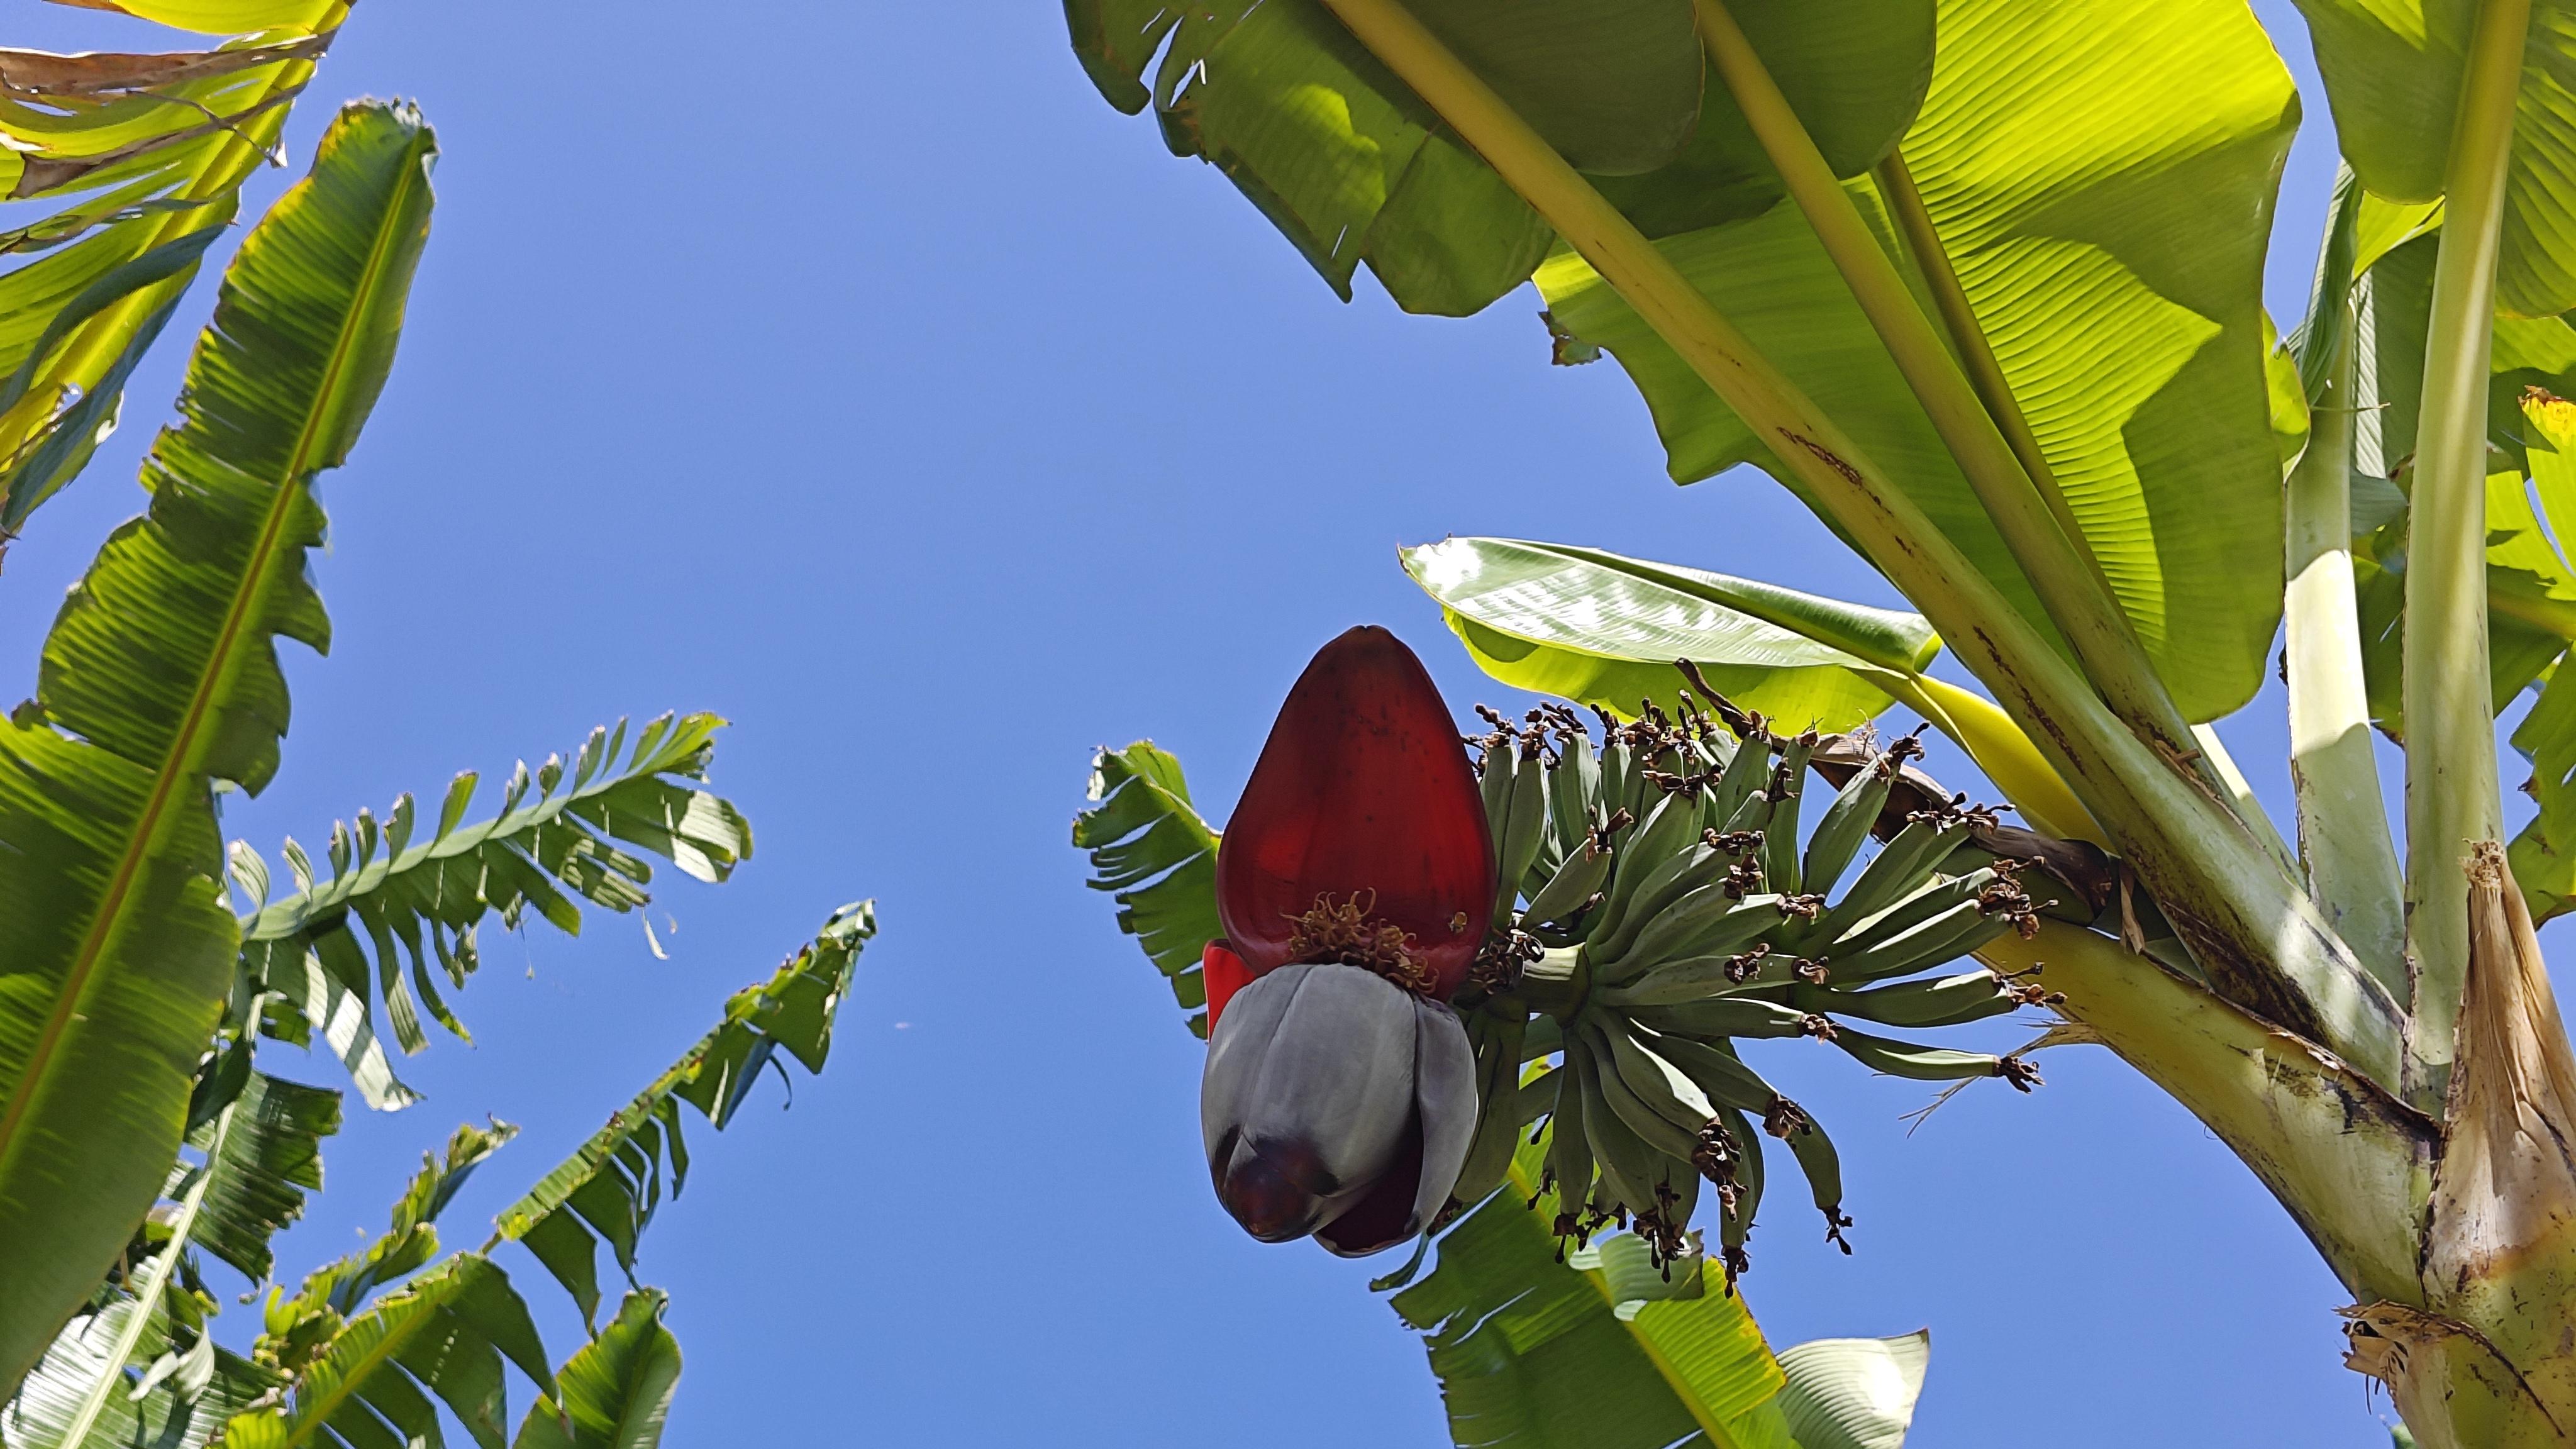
x=1345 y=931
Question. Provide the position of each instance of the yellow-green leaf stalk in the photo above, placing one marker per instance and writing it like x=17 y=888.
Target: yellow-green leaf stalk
x=2452 y=800
x=2024 y=501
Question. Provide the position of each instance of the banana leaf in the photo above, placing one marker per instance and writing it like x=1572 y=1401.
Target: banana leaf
x=1352 y=167
x=2393 y=71
x=1157 y=857
x=610 y=1187
x=616 y=1390
x=2107 y=215
x=145 y=156
x=1854 y=1393
x=419 y=904
x=1603 y=629
x=159 y=679
x=1603 y=1351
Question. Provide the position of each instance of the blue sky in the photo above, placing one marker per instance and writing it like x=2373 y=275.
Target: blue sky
x=852 y=371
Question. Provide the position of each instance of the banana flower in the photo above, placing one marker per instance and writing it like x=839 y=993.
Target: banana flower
x=1354 y=882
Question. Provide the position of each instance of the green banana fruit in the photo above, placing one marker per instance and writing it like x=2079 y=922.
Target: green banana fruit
x=1585 y=871
x=1932 y=1064
x=1946 y=937
x=1929 y=1002
x=1846 y=824
x=1780 y=831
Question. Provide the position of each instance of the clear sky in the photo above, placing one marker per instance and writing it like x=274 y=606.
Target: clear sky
x=851 y=370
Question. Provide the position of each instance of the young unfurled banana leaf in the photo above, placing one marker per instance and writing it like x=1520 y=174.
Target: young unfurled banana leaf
x=147 y=155
x=1351 y=166
x=2393 y=71
x=421 y=903
x=610 y=1187
x=1150 y=849
x=160 y=677
x=2162 y=126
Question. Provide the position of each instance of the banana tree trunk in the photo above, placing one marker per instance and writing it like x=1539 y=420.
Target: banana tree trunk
x=2487 y=1355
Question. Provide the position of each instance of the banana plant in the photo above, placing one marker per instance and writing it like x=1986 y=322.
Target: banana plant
x=1979 y=281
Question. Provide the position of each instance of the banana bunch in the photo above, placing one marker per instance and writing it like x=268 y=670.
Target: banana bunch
x=1659 y=900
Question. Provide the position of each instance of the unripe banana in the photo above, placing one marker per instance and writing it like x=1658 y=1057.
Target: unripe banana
x=1678 y=1104
x=1569 y=1149
x=1930 y=1002
x=1735 y=1224
x=1823 y=1167
x=1662 y=884
x=1495 y=787
x=1585 y=871
x=1707 y=925
x=1618 y=774
x=1722 y=1078
x=1846 y=824
x=1574 y=792
x=1662 y=833
x=1780 y=865
x=1938 y=896
x=1625 y=1164
x=1498 y=1122
x=1520 y=834
x=1946 y=937
x=1540 y=1038
x=1930 y=1064
x=1747 y=771
x=1897 y=872
x=1733 y=1016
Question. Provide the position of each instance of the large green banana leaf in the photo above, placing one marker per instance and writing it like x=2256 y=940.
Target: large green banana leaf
x=160 y=677
x=1351 y=166
x=616 y=1390
x=83 y=1396
x=146 y=155
x=445 y=1333
x=1605 y=630
x=2393 y=71
x=610 y=1187
x=2106 y=212
x=422 y=902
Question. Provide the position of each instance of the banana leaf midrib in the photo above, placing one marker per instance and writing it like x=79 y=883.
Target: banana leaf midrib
x=284 y=918
x=221 y=662
x=94 y=1402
